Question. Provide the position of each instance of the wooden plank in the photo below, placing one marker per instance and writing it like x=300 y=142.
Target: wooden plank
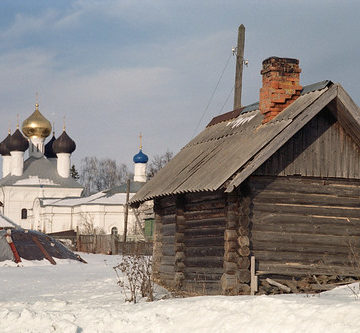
x=210 y=222
x=203 y=270
x=204 y=242
x=304 y=257
x=350 y=212
x=204 y=261
x=309 y=198
x=204 y=232
x=205 y=214
x=339 y=187
x=43 y=250
x=284 y=136
x=205 y=205
x=306 y=248
x=305 y=238
x=205 y=251
x=167 y=260
x=168 y=219
x=307 y=228
x=168 y=229
x=298 y=269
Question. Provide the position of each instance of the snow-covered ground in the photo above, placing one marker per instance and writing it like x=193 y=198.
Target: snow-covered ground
x=76 y=297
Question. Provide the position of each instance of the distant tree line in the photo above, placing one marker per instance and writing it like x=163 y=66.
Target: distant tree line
x=100 y=174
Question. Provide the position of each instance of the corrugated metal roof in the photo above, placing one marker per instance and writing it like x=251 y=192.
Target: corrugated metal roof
x=219 y=151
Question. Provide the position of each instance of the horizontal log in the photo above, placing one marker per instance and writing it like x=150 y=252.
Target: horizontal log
x=168 y=229
x=179 y=277
x=203 y=277
x=306 y=248
x=204 y=270
x=204 y=205
x=169 y=269
x=168 y=219
x=168 y=240
x=206 y=222
x=339 y=187
x=244 y=221
x=336 y=228
x=230 y=267
x=203 y=242
x=338 y=211
x=204 y=214
x=230 y=235
x=180 y=247
x=204 y=232
x=205 y=251
x=230 y=246
x=305 y=238
x=243 y=275
x=243 y=262
x=167 y=201
x=305 y=199
x=166 y=211
x=179 y=266
x=243 y=241
x=231 y=224
x=243 y=251
x=168 y=250
x=228 y=282
x=231 y=256
x=179 y=256
x=301 y=270
x=167 y=260
x=243 y=231
x=204 y=261
x=304 y=257
x=179 y=237
x=204 y=196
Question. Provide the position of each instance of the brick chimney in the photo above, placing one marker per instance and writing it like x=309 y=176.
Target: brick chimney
x=281 y=78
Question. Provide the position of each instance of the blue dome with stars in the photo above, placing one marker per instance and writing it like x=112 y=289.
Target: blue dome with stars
x=140 y=157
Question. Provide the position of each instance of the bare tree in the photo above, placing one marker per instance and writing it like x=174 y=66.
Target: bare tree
x=101 y=174
x=158 y=162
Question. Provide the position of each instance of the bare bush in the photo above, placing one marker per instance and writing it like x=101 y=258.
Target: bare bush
x=134 y=276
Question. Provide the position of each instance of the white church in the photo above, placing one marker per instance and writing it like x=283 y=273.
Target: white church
x=39 y=193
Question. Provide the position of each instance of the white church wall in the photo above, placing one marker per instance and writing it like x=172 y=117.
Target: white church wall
x=89 y=218
x=16 y=198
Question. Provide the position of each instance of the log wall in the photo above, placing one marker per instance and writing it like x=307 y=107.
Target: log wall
x=189 y=241
x=305 y=226
x=321 y=149
x=204 y=241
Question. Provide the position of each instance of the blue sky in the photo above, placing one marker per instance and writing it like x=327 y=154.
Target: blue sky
x=117 y=68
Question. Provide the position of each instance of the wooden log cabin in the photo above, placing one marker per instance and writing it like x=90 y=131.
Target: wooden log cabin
x=266 y=197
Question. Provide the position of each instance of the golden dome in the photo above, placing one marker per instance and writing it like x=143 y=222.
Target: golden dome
x=36 y=125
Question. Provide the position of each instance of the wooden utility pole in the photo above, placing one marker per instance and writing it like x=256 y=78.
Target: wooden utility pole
x=239 y=66
x=126 y=215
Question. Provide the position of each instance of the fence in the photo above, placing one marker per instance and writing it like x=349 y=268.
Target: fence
x=107 y=244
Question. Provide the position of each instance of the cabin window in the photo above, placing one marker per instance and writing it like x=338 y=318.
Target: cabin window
x=114 y=231
x=24 y=214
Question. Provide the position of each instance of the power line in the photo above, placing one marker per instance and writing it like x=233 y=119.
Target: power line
x=212 y=95
x=227 y=99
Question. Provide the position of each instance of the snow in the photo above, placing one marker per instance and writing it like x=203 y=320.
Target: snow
x=76 y=297
x=35 y=180
x=100 y=198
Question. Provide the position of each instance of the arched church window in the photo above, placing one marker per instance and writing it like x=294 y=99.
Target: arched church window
x=114 y=231
x=24 y=214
